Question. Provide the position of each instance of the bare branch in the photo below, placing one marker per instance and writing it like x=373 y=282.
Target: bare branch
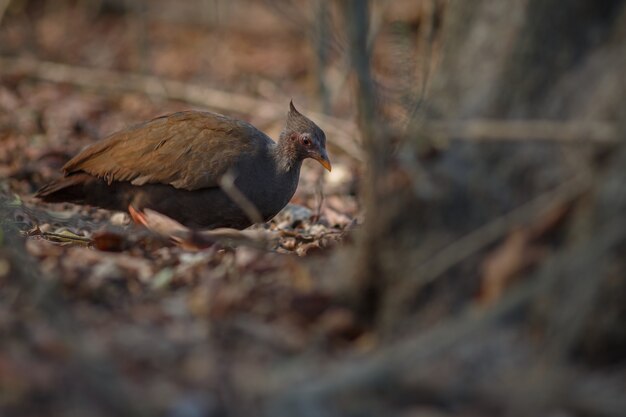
x=517 y=130
x=227 y=183
x=435 y=265
x=4 y=5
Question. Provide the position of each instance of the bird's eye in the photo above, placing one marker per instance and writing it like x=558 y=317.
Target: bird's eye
x=306 y=141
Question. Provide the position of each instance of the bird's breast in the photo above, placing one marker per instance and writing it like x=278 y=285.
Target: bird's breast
x=267 y=187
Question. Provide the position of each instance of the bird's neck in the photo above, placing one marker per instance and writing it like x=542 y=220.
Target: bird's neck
x=285 y=156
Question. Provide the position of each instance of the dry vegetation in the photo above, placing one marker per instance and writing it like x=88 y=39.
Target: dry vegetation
x=465 y=257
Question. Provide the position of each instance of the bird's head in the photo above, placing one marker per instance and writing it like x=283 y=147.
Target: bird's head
x=305 y=138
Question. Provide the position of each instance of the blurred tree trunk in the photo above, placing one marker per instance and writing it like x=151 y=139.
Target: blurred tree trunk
x=544 y=59
x=369 y=268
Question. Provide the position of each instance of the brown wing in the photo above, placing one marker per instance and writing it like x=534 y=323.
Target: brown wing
x=189 y=150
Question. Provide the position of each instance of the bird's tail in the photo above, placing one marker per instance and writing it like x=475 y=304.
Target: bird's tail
x=66 y=189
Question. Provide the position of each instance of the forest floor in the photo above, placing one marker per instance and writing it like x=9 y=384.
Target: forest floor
x=177 y=325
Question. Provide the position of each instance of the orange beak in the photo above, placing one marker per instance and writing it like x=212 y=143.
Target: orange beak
x=322 y=158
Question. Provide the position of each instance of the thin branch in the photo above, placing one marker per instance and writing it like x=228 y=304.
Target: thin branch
x=522 y=130
x=192 y=239
x=428 y=38
x=4 y=5
x=227 y=183
x=435 y=265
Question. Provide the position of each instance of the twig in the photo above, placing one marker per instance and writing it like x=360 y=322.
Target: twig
x=435 y=265
x=61 y=237
x=487 y=234
x=428 y=42
x=4 y=5
x=66 y=238
x=320 y=40
x=319 y=192
x=227 y=183
x=185 y=237
x=518 y=130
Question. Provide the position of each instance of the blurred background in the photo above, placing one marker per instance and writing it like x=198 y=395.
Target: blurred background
x=465 y=257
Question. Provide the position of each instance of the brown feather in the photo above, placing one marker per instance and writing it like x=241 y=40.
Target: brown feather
x=154 y=152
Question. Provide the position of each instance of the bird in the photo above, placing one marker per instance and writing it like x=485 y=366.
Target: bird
x=176 y=165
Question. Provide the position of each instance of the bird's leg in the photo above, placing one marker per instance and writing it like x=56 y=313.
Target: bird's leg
x=137 y=216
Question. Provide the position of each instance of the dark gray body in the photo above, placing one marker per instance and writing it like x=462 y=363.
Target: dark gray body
x=258 y=179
